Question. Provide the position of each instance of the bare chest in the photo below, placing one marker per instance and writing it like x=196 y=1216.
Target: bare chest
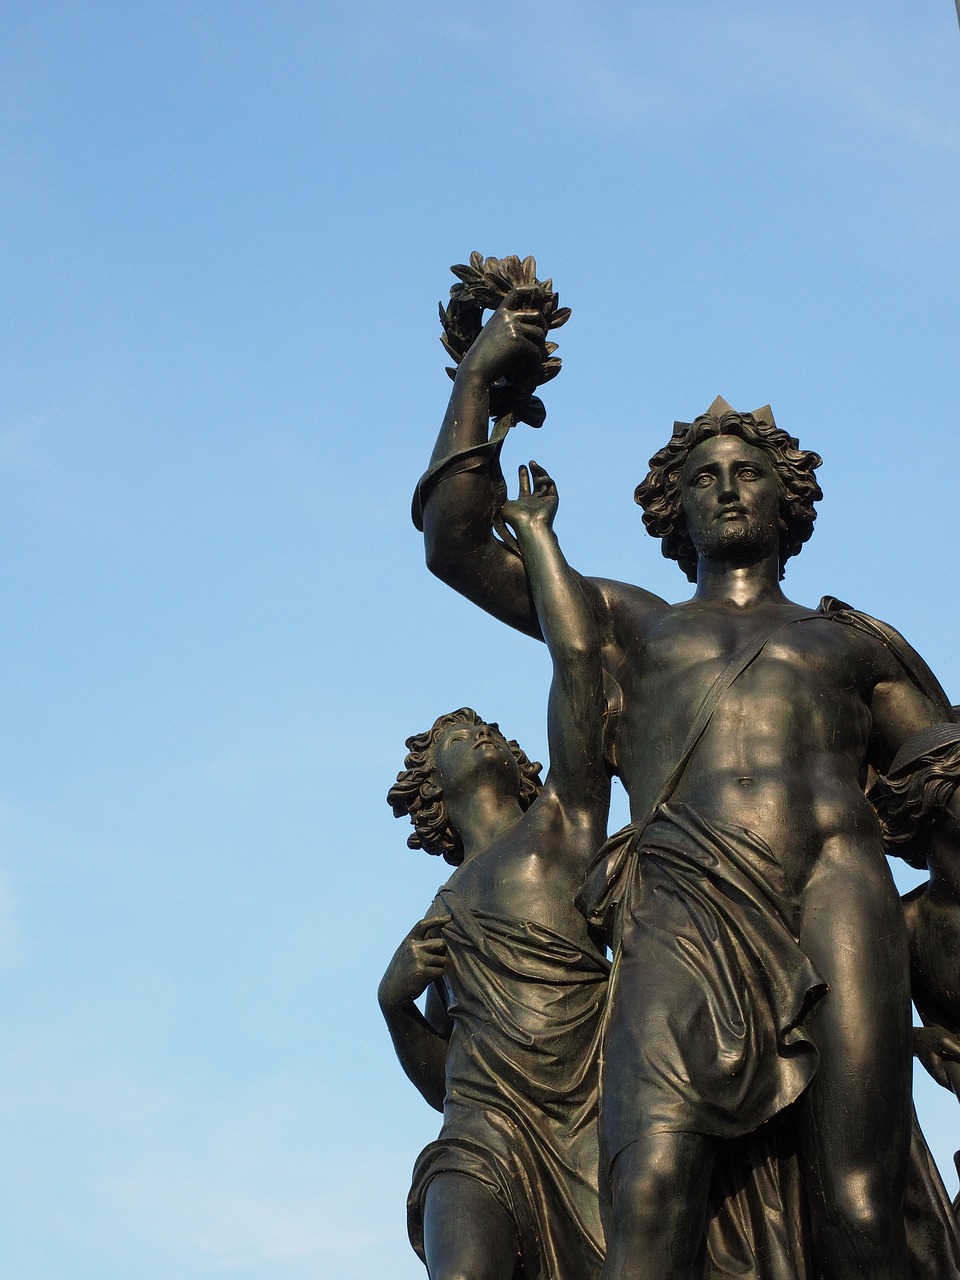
x=528 y=874
x=804 y=690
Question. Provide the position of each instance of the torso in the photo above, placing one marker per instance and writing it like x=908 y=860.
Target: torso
x=785 y=753
x=533 y=872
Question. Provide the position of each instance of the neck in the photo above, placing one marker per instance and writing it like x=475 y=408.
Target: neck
x=481 y=817
x=743 y=585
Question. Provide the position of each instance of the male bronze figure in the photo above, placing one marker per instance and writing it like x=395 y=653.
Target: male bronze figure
x=762 y=952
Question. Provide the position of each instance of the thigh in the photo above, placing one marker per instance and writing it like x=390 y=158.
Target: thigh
x=467 y=1233
x=856 y=1115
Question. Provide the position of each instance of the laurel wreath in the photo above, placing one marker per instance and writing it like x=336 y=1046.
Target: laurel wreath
x=483 y=285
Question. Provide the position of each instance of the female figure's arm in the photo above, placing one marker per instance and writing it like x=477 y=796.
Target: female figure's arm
x=578 y=775
x=420 y=1042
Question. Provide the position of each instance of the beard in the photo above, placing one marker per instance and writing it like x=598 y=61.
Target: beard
x=741 y=541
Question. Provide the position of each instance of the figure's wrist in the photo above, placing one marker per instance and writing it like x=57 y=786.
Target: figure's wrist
x=475 y=375
x=533 y=525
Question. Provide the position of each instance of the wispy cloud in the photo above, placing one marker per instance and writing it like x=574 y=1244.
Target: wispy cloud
x=642 y=70
x=855 y=71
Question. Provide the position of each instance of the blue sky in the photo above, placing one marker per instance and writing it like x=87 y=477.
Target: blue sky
x=224 y=229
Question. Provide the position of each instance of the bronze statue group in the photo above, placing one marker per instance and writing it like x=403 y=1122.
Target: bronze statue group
x=684 y=1051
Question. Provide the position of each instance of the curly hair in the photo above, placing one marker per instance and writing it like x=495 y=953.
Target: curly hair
x=922 y=777
x=659 y=493
x=416 y=791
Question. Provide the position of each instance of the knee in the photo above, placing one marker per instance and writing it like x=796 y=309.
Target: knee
x=472 y=1263
x=646 y=1182
x=859 y=1217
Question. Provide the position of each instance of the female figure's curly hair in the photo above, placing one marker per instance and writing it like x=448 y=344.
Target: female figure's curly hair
x=417 y=791
x=922 y=777
x=659 y=493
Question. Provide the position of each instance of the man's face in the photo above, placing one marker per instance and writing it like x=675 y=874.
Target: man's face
x=730 y=500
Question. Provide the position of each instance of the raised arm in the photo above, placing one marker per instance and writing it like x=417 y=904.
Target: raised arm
x=459 y=509
x=575 y=715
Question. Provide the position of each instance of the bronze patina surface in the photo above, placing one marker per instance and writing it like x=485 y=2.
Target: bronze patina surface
x=755 y=1112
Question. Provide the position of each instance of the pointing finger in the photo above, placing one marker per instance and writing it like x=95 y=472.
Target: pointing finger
x=428 y=924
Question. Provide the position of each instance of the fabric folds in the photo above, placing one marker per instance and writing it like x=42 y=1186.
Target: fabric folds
x=520 y=1113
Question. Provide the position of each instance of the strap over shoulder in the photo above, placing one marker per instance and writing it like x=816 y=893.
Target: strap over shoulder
x=909 y=659
x=602 y=893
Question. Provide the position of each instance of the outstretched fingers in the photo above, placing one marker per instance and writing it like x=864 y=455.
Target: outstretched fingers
x=543 y=481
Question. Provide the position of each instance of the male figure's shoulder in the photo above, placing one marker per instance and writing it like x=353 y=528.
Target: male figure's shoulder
x=894 y=657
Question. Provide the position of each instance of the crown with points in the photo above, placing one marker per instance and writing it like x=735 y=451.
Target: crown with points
x=720 y=407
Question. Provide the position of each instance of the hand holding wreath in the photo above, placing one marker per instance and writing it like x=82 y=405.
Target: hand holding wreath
x=510 y=353
x=508 y=358
x=511 y=344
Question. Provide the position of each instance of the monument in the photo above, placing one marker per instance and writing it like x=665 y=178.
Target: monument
x=754 y=1114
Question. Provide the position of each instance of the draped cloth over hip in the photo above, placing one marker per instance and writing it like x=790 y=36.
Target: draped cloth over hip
x=522 y=1082
x=705 y=1033
x=705 y=1028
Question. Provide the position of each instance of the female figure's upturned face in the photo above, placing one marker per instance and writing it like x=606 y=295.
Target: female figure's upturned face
x=466 y=753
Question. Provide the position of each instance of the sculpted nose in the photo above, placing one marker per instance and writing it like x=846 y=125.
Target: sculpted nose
x=727 y=490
